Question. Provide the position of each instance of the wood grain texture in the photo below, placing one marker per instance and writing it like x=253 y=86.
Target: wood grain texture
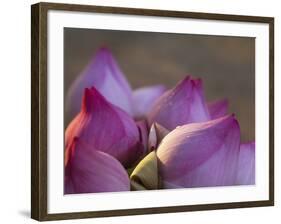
x=271 y=110
x=34 y=113
x=39 y=111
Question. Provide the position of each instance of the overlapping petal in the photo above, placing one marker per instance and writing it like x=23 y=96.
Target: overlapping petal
x=156 y=134
x=89 y=171
x=105 y=75
x=246 y=165
x=218 y=108
x=181 y=105
x=145 y=97
x=105 y=128
x=143 y=132
x=201 y=154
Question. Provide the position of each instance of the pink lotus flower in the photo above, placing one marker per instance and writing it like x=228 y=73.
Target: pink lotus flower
x=106 y=76
x=201 y=154
x=157 y=132
x=105 y=128
x=181 y=105
x=195 y=143
x=88 y=170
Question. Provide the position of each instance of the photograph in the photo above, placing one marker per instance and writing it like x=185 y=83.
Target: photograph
x=134 y=104
x=157 y=111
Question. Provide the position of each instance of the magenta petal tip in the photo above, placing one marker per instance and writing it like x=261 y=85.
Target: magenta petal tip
x=105 y=127
x=104 y=73
x=181 y=105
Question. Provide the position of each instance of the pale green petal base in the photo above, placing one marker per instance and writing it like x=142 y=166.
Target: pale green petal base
x=145 y=175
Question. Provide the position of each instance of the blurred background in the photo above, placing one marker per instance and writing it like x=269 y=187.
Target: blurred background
x=225 y=64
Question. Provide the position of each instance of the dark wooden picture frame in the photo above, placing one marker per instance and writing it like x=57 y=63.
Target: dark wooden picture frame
x=39 y=110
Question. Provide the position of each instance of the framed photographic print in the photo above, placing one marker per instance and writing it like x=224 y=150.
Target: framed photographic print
x=138 y=111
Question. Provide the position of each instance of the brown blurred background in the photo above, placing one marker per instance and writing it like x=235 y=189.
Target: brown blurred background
x=225 y=64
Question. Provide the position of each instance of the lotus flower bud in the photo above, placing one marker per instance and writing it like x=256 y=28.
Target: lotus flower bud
x=200 y=154
x=181 y=105
x=105 y=128
x=105 y=75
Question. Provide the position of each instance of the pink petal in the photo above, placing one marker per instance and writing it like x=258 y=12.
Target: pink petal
x=89 y=171
x=181 y=105
x=201 y=154
x=246 y=165
x=105 y=75
x=145 y=97
x=105 y=128
x=156 y=134
x=218 y=108
x=68 y=185
x=142 y=126
x=152 y=138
